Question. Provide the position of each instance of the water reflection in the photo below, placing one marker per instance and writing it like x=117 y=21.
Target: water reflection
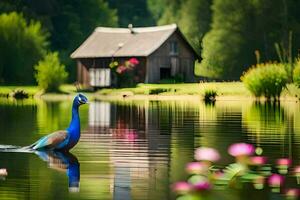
x=65 y=162
x=136 y=149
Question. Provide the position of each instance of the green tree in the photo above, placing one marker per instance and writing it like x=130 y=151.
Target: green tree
x=69 y=22
x=226 y=50
x=50 y=73
x=171 y=12
x=22 y=46
x=134 y=12
x=195 y=19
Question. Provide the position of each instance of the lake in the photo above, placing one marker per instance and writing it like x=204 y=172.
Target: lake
x=136 y=149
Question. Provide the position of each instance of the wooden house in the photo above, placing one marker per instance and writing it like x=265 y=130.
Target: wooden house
x=162 y=52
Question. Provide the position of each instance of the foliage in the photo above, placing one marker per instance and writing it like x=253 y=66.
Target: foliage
x=206 y=179
x=266 y=80
x=22 y=46
x=296 y=73
x=134 y=12
x=157 y=90
x=68 y=22
x=195 y=11
x=225 y=54
x=50 y=73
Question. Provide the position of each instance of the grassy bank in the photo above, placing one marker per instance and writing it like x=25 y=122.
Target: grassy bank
x=6 y=91
x=232 y=90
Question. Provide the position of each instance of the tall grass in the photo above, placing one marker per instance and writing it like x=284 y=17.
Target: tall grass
x=266 y=80
x=296 y=74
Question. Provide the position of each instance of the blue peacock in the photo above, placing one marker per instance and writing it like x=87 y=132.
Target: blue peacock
x=63 y=140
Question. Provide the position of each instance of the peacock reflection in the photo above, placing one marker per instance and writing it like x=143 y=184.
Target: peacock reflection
x=64 y=162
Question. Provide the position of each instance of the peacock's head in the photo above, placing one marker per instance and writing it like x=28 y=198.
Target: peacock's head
x=80 y=99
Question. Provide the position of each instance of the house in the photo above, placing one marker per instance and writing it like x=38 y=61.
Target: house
x=162 y=52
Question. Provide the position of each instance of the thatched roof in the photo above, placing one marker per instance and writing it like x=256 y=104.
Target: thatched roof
x=124 y=42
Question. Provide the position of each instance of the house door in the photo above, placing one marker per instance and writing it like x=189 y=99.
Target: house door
x=100 y=77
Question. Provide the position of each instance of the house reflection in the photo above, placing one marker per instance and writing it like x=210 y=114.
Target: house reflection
x=138 y=146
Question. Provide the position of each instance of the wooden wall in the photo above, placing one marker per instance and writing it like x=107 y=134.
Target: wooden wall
x=162 y=58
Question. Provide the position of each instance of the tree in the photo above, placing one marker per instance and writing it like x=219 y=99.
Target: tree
x=171 y=12
x=22 y=46
x=134 y=12
x=69 y=22
x=195 y=19
x=227 y=49
x=50 y=73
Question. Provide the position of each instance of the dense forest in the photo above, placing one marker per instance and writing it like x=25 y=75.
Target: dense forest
x=230 y=35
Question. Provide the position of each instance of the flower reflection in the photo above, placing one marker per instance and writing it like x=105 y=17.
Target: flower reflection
x=63 y=161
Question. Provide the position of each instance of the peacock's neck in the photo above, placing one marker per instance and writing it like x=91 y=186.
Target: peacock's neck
x=74 y=128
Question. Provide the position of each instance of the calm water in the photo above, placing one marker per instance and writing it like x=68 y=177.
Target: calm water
x=134 y=150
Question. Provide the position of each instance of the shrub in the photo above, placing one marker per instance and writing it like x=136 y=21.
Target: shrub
x=210 y=95
x=157 y=90
x=50 y=73
x=266 y=80
x=22 y=45
x=296 y=74
x=19 y=94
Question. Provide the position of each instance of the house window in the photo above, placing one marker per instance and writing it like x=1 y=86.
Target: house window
x=173 y=48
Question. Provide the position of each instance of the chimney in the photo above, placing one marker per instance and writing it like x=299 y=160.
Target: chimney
x=130 y=27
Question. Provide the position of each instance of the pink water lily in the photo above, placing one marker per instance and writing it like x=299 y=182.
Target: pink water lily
x=297 y=170
x=202 y=186
x=207 y=154
x=284 y=162
x=181 y=187
x=275 y=180
x=258 y=160
x=196 y=168
x=292 y=192
x=241 y=149
x=3 y=172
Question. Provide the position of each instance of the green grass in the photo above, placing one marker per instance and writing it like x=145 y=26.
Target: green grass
x=223 y=88
x=33 y=90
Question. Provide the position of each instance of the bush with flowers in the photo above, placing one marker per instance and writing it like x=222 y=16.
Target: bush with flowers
x=206 y=178
x=124 y=71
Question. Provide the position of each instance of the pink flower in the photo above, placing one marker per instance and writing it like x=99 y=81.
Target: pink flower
x=258 y=160
x=241 y=149
x=134 y=61
x=181 y=187
x=297 y=170
x=275 y=180
x=292 y=192
x=196 y=168
x=3 y=172
x=202 y=186
x=121 y=69
x=207 y=154
x=284 y=162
